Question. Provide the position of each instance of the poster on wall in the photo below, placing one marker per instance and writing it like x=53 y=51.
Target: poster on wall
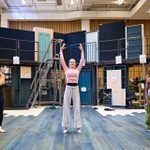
x=25 y=72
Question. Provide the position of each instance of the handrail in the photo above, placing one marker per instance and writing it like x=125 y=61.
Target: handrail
x=40 y=66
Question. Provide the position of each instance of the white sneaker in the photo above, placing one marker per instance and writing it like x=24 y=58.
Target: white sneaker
x=148 y=130
x=2 y=130
x=79 y=130
x=65 y=131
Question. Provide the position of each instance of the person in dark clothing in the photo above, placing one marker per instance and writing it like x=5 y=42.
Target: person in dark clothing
x=2 y=82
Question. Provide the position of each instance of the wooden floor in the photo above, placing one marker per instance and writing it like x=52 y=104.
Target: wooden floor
x=99 y=132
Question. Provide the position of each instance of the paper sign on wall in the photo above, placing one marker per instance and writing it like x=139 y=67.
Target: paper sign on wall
x=142 y=59
x=83 y=89
x=118 y=59
x=25 y=72
x=16 y=60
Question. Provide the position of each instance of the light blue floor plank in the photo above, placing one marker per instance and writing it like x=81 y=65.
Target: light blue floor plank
x=44 y=132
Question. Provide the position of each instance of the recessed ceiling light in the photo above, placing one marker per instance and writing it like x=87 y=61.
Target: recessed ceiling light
x=24 y=2
x=71 y=2
x=121 y=2
x=118 y=2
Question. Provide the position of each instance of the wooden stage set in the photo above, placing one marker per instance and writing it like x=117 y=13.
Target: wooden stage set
x=40 y=129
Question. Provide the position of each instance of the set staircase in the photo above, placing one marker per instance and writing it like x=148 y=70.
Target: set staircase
x=41 y=80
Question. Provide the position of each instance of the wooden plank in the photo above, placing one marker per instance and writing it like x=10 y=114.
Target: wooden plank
x=98 y=132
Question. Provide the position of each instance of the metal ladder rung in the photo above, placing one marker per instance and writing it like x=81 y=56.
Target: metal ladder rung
x=40 y=79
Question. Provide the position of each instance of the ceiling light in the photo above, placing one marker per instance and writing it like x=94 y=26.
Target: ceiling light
x=71 y=2
x=121 y=2
x=24 y=2
x=118 y=2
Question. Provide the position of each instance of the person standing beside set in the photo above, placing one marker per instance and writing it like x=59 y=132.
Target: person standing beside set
x=147 y=100
x=2 y=82
x=72 y=90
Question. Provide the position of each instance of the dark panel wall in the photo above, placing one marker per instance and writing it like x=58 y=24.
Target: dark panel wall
x=20 y=89
x=72 y=41
x=26 y=43
x=134 y=41
x=59 y=36
x=16 y=42
x=8 y=43
x=110 y=44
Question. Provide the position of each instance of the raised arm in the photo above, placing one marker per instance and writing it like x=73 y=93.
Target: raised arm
x=2 y=79
x=62 y=60
x=82 y=57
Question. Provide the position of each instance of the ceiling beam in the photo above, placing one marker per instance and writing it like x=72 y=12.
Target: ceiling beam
x=140 y=10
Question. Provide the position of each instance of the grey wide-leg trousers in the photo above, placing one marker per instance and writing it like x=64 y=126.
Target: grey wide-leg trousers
x=71 y=92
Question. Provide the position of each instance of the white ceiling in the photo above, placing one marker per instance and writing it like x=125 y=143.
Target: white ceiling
x=87 y=9
x=57 y=5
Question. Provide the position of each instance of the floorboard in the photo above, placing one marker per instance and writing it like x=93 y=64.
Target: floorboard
x=100 y=131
